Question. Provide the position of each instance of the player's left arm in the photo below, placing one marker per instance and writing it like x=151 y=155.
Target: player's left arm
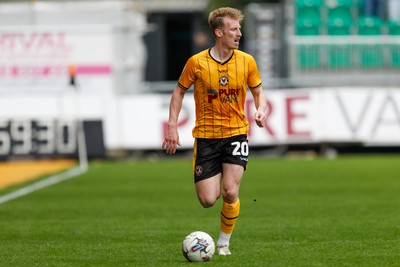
x=260 y=101
x=255 y=85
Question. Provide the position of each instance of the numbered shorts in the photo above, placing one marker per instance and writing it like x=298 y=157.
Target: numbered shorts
x=209 y=154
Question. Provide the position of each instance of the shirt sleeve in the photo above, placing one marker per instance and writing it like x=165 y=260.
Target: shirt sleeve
x=188 y=76
x=254 y=78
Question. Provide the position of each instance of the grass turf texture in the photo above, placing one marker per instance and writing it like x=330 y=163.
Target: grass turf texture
x=342 y=212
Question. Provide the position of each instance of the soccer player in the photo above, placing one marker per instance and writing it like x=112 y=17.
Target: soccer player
x=221 y=76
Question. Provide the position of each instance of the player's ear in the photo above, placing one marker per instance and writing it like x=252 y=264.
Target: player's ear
x=218 y=33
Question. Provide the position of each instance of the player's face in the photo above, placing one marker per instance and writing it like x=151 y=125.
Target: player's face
x=231 y=33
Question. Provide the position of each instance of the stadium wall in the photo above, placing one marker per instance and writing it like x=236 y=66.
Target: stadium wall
x=369 y=116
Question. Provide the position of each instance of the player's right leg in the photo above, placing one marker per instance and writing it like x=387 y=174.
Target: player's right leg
x=208 y=190
x=207 y=168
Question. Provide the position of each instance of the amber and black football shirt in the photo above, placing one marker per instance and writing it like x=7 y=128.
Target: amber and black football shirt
x=220 y=92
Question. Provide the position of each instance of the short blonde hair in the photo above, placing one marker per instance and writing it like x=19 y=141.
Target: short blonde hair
x=216 y=17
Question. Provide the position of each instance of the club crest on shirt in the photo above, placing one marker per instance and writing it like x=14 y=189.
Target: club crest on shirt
x=199 y=170
x=223 y=81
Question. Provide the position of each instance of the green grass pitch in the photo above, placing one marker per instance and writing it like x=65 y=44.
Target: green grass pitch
x=343 y=212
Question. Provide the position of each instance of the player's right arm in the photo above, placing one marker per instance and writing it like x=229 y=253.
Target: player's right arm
x=185 y=81
x=171 y=140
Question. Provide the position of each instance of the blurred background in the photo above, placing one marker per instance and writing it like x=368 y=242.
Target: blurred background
x=330 y=70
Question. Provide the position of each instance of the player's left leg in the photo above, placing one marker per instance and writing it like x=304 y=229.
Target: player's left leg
x=231 y=178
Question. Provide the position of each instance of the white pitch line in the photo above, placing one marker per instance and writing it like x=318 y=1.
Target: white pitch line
x=55 y=179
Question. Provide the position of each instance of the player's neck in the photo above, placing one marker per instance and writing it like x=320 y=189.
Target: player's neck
x=221 y=54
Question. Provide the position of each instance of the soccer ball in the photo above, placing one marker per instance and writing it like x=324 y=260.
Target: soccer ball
x=198 y=246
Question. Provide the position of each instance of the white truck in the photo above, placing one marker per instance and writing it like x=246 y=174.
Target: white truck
x=39 y=41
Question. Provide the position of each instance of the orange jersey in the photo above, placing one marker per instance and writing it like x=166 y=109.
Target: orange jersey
x=220 y=92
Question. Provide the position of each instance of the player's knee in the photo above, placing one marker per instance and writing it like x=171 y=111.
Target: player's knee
x=230 y=196
x=207 y=202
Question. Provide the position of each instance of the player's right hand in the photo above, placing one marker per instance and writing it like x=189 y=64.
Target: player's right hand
x=171 y=142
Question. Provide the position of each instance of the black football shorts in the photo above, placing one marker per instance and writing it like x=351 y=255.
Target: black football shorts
x=209 y=154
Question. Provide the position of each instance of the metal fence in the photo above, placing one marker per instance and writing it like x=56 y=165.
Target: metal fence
x=344 y=60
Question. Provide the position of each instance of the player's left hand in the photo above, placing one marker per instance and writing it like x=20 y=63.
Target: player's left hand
x=260 y=118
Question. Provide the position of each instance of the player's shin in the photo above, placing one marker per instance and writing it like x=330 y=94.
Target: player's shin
x=229 y=215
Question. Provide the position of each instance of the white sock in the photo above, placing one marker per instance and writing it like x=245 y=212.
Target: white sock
x=223 y=239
